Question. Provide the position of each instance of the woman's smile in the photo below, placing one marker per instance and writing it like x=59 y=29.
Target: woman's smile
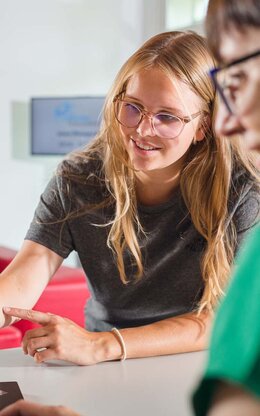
x=144 y=146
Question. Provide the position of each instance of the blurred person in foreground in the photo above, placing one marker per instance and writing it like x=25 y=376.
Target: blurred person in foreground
x=231 y=382
x=25 y=408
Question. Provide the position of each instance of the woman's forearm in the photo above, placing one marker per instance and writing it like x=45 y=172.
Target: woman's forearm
x=184 y=333
x=60 y=338
x=24 y=280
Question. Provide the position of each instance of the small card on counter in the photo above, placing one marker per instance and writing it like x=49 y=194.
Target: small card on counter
x=9 y=393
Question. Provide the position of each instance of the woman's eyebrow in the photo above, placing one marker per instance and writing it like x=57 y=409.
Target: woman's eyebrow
x=162 y=108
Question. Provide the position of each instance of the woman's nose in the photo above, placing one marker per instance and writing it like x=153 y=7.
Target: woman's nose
x=145 y=128
x=227 y=124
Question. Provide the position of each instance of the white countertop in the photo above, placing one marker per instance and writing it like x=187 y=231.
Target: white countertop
x=157 y=386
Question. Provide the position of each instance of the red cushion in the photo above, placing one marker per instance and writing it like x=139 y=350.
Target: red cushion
x=6 y=256
x=10 y=337
x=7 y=253
x=64 y=299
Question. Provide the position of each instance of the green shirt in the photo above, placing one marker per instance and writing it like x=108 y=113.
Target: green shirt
x=234 y=353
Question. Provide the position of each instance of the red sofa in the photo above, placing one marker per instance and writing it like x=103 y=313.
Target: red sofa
x=10 y=337
x=65 y=295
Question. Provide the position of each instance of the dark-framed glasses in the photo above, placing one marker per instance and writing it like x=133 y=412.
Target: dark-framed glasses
x=164 y=124
x=228 y=81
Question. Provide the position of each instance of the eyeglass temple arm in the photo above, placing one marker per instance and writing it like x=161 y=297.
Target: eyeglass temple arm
x=191 y=117
x=212 y=74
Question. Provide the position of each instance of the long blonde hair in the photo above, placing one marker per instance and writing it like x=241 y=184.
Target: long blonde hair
x=207 y=171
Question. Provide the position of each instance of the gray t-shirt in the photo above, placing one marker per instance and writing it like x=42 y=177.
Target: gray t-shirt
x=172 y=249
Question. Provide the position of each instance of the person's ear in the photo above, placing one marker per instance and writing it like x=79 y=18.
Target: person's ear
x=202 y=129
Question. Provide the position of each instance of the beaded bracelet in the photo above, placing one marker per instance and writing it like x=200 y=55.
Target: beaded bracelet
x=121 y=342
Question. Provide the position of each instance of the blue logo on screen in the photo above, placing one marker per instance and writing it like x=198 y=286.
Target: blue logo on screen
x=65 y=112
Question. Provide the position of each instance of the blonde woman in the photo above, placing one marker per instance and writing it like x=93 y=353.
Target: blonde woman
x=155 y=207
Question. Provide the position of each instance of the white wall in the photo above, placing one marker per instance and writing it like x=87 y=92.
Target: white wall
x=52 y=47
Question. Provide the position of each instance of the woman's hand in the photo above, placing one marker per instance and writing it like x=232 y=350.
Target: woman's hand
x=24 y=408
x=65 y=340
x=61 y=339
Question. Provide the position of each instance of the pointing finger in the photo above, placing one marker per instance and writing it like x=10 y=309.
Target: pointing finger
x=29 y=315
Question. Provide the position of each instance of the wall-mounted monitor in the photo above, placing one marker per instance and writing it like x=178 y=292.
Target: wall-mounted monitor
x=61 y=125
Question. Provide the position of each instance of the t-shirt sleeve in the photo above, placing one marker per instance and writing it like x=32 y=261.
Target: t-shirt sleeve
x=234 y=353
x=50 y=225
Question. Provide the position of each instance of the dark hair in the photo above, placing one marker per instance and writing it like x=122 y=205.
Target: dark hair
x=225 y=14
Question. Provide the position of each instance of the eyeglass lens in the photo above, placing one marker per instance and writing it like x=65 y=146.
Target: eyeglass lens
x=232 y=80
x=229 y=86
x=165 y=125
